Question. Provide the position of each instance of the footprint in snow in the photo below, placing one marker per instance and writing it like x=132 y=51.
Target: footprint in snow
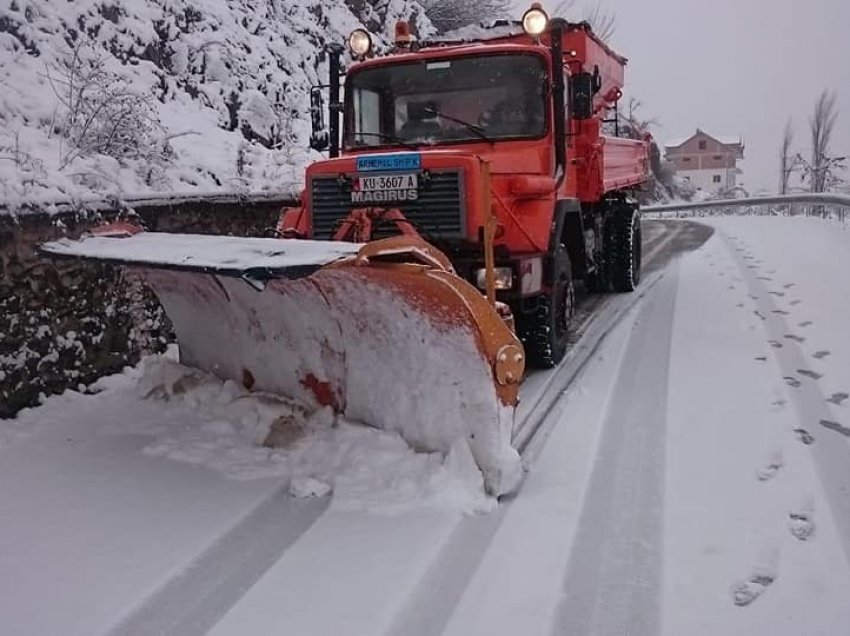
x=838 y=398
x=814 y=375
x=796 y=338
x=781 y=312
x=794 y=303
x=805 y=323
x=767 y=278
x=820 y=354
x=753 y=297
x=801 y=521
x=835 y=426
x=759 y=314
x=771 y=466
x=740 y=305
x=790 y=381
x=745 y=592
x=777 y=294
x=804 y=436
x=774 y=344
x=788 y=286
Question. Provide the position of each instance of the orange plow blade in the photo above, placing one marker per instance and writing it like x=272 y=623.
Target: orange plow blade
x=384 y=333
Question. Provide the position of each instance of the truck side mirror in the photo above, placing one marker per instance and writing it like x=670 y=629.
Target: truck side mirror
x=319 y=137
x=581 y=95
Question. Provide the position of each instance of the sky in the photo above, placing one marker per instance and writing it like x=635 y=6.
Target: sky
x=735 y=67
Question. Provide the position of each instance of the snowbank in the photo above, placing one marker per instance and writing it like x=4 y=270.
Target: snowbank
x=365 y=468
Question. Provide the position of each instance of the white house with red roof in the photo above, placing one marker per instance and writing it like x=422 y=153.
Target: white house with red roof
x=709 y=162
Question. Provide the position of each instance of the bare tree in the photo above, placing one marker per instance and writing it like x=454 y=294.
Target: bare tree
x=602 y=21
x=821 y=125
x=447 y=15
x=786 y=160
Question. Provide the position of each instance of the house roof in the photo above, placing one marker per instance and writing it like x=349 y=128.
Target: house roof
x=726 y=140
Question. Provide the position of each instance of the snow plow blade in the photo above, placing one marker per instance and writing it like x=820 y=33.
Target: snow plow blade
x=384 y=332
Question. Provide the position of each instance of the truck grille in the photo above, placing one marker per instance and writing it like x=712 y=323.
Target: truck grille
x=438 y=212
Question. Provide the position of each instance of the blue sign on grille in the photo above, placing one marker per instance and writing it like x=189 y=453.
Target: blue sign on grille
x=393 y=162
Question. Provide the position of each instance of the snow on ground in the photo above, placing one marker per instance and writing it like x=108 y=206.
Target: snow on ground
x=753 y=544
x=695 y=481
x=363 y=467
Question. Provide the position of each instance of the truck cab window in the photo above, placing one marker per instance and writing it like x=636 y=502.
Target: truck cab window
x=455 y=100
x=367 y=111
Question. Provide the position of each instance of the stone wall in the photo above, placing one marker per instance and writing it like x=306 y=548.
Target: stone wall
x=65 y=323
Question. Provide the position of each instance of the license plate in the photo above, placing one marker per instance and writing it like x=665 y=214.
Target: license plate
x=385 y=188
x=387 y=182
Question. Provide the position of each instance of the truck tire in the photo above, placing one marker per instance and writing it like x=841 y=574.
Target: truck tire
x=623 y=249
x=545 y=331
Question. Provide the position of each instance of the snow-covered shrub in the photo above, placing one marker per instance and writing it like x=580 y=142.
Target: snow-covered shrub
x=102 y=112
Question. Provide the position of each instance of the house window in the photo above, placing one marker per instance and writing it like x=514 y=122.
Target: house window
x=702 y=145
x=717 y=157
x=686 y=159
x=716 y=179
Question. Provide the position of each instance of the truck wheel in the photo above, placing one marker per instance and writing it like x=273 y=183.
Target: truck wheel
x=545 y=331
x=623 y=249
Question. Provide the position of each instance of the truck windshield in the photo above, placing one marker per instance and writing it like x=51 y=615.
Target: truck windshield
x=486 y=97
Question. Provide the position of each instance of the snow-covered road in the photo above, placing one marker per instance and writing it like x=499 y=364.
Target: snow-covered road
x=689 y=473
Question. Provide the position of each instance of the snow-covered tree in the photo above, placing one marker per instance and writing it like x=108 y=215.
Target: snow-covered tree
x=603 y=21
x=823 y=171
x=449 y=15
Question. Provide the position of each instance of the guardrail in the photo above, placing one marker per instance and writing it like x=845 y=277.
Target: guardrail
x=812 y=204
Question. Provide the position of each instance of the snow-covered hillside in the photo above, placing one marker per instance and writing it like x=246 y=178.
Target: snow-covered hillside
x=165 y=95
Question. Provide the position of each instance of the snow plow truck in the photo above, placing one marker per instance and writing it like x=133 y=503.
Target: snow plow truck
x=468 y=185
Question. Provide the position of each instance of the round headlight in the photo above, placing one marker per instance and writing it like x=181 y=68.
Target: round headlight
x=360 y=42
x=534 y=20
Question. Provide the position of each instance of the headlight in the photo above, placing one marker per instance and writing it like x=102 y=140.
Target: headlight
x=534 y=20
x=504 y=278
x=360 y=42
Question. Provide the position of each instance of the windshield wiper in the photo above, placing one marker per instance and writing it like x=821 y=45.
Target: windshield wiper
x=477 y=130
x=388 y=137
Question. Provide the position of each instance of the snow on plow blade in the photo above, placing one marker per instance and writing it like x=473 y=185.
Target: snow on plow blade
x=383 y=332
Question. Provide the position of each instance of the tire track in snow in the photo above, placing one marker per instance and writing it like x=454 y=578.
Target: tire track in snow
x=429 y=610
x=830 y=452
x=194 y=600
x=613 y=582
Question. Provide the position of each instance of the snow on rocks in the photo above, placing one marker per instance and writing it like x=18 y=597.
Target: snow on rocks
x=219 y=92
